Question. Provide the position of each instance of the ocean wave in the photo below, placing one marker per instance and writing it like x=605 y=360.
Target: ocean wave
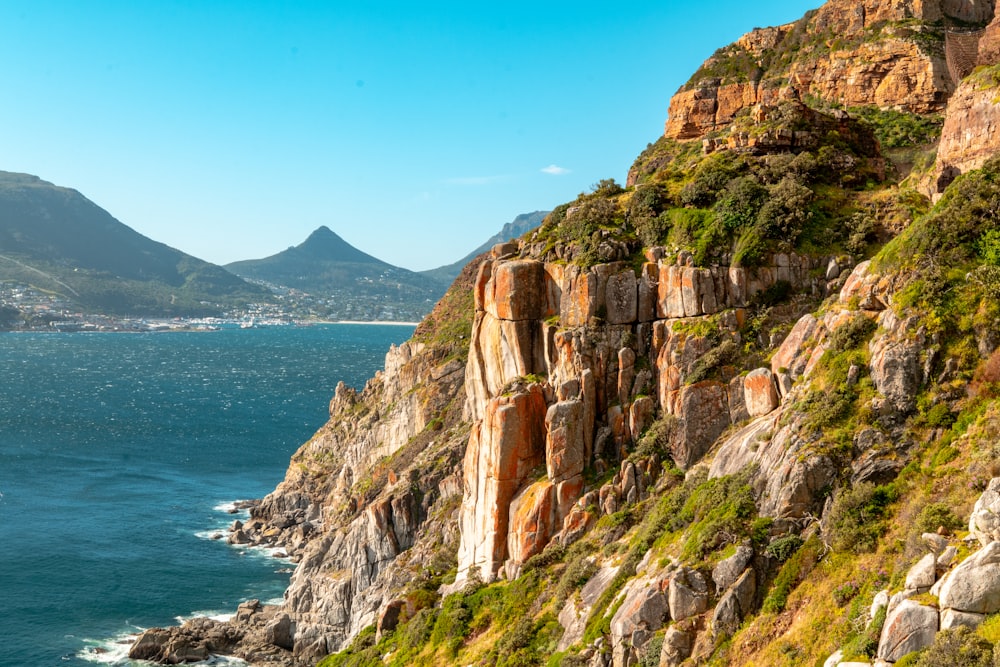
x=221 y=530
x=114 y=651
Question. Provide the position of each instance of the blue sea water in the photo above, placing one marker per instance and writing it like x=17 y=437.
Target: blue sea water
x=118 y=456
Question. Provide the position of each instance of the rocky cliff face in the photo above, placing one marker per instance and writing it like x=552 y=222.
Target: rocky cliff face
x=854 y=53
x=969 y=136
x=678 y=420
x=553 y=380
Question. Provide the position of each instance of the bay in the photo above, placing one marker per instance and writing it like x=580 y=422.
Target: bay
x=118 y=456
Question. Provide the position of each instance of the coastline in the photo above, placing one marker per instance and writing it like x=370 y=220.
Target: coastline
x=379 y=322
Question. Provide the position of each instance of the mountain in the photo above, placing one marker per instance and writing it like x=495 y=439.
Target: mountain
x=518 y=227
x=56 y=239
x=343 y=282
x=743 y=410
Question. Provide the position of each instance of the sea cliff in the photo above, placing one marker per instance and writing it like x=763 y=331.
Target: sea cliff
x=740 y=411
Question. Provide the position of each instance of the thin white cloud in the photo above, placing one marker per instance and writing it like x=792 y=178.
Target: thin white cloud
x=555 y=170
x=475 y=180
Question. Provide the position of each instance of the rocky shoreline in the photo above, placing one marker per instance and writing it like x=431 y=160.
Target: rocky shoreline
x=261 y=634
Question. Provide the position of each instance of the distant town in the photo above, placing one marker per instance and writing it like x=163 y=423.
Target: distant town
x=26 y=308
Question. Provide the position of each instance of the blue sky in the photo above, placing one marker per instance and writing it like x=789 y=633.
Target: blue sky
x=232 y=129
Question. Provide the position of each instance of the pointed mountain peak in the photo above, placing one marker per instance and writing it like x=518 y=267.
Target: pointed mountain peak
x=324 y=244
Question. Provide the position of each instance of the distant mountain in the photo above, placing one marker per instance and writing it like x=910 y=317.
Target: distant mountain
x=55 y=239
x=517 y=228
x=342 y=282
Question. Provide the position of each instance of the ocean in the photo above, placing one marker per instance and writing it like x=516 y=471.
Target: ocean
x=120 y=456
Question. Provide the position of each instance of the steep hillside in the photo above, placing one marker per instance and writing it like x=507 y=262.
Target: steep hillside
x=742 y=411
x=514 y=229
x=57 y=239
x=350 y=283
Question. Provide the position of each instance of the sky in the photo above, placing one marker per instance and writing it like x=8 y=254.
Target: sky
x=231 y=129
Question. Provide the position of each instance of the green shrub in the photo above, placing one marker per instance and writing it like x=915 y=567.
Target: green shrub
x=773 y=295
x=718 y=356
x=710 y=178
x=783 y=548
x=649 y=656
x=795 y=569
x=936 y=515
x=740 y=202
x=851 y=334
x=857 y=516
x=959 y=647
x=786 y=210
x=865 y=643
x=646 y=213
x=452 y=624
x=900 y=129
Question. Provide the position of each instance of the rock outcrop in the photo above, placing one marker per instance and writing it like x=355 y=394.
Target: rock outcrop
x=969 y=136
x=859 y=54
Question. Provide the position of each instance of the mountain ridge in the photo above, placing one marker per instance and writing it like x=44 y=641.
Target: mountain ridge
x=516 y=228
x=56 y=236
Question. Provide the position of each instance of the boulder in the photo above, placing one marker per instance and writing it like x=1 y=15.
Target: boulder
x=947 y=557
x=950 y=618
x=532 y=521
x=519 y=291
x=974 y=585
x=922 y=575
x=834 y=659
x=281 y=630
x=677 y=646
x=503 y=450
x=792 y=356
x=896 y=365
x=737 y=401
x=935 y=542
x=645 y=607
x=760 y=393
x=880 y=600
x=908 y=628
x=735 y=604
x=565 y=447
x=573 y=616
x=702 y=412
x=985 y=520
x=688 y=594
x=727 y=571
x=621 y=298
x=171 y=646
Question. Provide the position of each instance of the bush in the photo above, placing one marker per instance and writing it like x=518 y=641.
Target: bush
x=795 y=569
x=786 y=210
x=740 y=202
x=865 y=643
x=856 y=517
x=783 y=548
x=900 y=129
x=607 y=187
x=936 y=515
x=646 y=214
x=960 y=647
x=709 y=362
x=851 y=334
x=710 y=178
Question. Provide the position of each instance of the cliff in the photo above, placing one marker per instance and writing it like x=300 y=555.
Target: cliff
x=742 y=411
x=890 y=55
